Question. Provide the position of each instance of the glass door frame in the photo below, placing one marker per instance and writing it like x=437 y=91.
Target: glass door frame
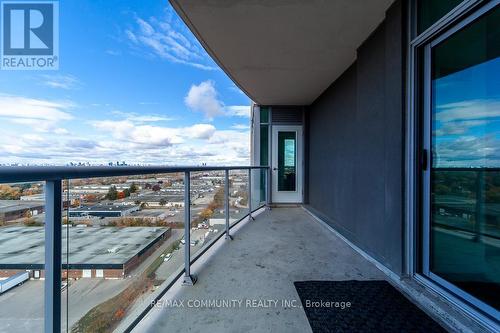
x=287 y=196
x=418 y=141
x=427 y=145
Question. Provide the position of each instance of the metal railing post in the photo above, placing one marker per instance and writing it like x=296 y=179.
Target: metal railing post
x=226 y=203
x=250 y=217
x=268 y=189
x=189 y=280
x=53 y=255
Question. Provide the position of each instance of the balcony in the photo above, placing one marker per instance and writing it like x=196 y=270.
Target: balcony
x=262 y=262
x=89 y=269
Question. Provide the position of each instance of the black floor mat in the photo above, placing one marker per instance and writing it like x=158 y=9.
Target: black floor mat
x=374 y=306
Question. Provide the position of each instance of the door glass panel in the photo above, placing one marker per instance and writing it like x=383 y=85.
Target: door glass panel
x=465 y=173
x=287 y=157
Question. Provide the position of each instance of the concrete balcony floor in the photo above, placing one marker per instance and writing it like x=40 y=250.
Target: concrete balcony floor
x=263 y=261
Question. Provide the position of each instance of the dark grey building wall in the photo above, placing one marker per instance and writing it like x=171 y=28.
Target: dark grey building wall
x=355 y=133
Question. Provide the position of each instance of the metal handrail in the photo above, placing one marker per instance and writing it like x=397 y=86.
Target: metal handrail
x=17 y=174
x=53 y=177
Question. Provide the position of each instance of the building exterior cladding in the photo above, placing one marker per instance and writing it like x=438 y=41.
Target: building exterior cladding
x=358 y=122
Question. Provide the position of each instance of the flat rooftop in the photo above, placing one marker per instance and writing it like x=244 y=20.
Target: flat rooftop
x=155 y=197
x=106 y=247
x=102 y=208
x=15 y=205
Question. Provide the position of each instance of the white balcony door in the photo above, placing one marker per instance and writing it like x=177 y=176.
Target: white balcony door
x=286 y=164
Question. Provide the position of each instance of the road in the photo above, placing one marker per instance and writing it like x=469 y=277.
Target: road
x=21 y=309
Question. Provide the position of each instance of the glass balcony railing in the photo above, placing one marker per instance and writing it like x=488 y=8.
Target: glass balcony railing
x=90 y=249
x=22 y=256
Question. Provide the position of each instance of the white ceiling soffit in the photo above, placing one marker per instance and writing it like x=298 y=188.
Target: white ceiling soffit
x=282 y=52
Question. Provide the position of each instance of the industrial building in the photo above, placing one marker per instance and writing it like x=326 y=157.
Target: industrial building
x=103 y=211
x=105 y=252
x=16 y=209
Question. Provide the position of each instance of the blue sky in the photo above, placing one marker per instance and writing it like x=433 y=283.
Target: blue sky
x=133 y=85
x=466 y=122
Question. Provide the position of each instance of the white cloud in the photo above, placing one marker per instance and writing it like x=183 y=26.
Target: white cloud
x=199 y=131
x=22 y=107
x=469 y=109
x=132 y=137
x=173 y=44
x=40 y=115
x=467 y=133
x=135 y=144
x=147 y=136
x=238 y=111
x=203 y=98
x=66 y=82
x=459 y=127
x=141 y=118
x=240 y=126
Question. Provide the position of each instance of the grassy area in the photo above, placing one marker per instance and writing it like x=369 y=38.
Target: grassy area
x=107 y=315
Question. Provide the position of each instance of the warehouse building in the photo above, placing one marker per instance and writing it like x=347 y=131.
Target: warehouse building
x=103 y=211
x=106 y=252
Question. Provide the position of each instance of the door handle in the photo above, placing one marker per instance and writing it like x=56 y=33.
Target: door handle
x=274 y=169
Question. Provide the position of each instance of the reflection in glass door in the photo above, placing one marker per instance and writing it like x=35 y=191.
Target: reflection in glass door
x=287 y=161
x=461 y=233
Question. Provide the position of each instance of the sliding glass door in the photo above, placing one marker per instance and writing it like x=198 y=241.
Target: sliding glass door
x=461 y=221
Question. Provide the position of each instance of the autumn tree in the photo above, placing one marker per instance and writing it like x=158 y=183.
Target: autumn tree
x=10 y=193
x=206 y=213
x=112 y=193
x=133 y=188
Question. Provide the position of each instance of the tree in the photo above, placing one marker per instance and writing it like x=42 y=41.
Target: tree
x=29 y=221
x=163 y=202
x=219 y=198
x=126 y=192
x=206 y=213
x=156 y=187
x=133 y=188
x=10 y=193
x=120 y=195
x=112 y=193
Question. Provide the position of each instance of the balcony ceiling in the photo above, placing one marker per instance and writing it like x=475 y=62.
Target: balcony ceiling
x=282 y=52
